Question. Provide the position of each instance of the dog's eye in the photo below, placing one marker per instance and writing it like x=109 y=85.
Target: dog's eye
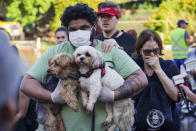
x=78 y=54
x=87 y=54
x=56 y=64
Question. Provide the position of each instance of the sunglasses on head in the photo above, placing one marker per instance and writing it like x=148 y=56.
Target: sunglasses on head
x=147 y=52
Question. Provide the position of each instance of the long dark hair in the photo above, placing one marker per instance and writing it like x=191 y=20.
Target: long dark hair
x=145 y=36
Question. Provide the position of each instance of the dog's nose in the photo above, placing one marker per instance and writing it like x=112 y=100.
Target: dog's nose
x=81 y=58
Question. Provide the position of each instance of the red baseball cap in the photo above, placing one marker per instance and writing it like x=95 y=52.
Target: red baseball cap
x=108 y=10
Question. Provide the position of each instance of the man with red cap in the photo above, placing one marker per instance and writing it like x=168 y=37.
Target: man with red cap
x=108 y=17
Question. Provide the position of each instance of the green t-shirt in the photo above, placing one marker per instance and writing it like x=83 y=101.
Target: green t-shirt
x=81 y=121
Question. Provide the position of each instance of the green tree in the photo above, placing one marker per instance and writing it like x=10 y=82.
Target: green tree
x=169 y=12
x=60 y=6
x=31 y=12
x=27 y=11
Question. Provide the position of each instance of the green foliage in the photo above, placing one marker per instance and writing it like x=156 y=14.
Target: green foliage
x=30 y=11
x=119 y=1
x=27 y=11
x=61 y=5
x=146 y=5
x=170 y=11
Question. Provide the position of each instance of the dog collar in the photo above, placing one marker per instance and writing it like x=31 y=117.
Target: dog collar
x=90 y=72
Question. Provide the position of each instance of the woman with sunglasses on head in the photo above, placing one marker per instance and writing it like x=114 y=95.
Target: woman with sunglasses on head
x=61 y=35
x=155 y=105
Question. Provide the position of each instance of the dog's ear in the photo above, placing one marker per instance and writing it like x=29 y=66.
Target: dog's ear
x=72 y=59
x=66 y=59
x=63 y=59
x=50 y=60
x=97 y=60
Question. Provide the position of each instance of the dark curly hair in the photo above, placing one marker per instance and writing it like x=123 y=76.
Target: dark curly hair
x=79 y=11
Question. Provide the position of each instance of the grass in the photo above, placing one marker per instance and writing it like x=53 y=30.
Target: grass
x=134 y=19
x=126 y=26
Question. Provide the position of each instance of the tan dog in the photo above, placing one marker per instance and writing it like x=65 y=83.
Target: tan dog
x=63 y=67
x=95 y=74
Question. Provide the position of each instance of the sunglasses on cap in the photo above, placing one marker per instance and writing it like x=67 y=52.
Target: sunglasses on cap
x=147 y=52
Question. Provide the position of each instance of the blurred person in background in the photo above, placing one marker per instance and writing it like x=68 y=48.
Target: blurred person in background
x=9 y=38
x=155 y=105
x=10 y=70
x=191 y=56
x=189 y=94
x=180 y=43
x=188 y=119
x=7 y=35
x=25 y=117
x=132 y=32
x=108 y=17
x=61 y=35
x=98 y=29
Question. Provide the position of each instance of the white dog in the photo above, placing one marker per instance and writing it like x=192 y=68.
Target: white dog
x=95 y=74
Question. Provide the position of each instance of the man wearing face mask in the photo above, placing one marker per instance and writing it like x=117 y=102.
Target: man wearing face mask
x=79 y=20
x=83 y=37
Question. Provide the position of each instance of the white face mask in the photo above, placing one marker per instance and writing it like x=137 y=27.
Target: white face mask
x=80 y=37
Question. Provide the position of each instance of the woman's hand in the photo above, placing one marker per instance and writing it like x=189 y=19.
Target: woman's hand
x=153 y=62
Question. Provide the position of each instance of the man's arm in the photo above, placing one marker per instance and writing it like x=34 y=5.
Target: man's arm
x=33 y=89
x=188 y=42
x=187 y=39
x=133 y=85
x=189 y=94
x=23 y=104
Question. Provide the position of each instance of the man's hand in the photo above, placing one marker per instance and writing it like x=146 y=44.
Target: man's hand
x=187 y=91
x=193 y=73
x=55 y=95
x=106 y=95
x=108 y=44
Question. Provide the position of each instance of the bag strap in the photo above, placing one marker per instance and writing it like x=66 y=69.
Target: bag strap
x=115 y=34
x=93 y=120
x=112 y=64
